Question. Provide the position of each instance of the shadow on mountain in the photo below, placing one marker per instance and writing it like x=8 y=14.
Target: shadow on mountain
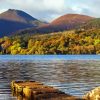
x=9 y=27
x=66 y=22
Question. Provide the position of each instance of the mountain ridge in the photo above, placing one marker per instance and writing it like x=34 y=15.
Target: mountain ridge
x=65 y=22
x=13 y=20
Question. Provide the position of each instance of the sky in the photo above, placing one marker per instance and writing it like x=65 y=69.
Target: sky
x=48 y=10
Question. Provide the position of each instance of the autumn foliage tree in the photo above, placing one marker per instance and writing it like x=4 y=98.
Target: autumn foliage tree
x=67 y=42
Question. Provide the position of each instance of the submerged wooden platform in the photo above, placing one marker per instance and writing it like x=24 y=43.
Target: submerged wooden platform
x=31 y=90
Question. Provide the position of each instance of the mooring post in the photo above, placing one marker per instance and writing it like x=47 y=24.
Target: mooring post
x=27 y=93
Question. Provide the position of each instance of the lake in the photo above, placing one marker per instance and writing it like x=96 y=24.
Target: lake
x=73 y=74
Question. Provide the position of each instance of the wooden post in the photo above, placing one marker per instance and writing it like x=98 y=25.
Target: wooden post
x=27 y=93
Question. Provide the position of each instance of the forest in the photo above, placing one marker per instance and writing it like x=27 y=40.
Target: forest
x=66 y=42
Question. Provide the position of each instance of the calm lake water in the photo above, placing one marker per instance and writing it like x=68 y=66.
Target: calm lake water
x=73 y=74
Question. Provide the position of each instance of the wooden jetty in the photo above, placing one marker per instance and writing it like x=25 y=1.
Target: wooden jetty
x=31 y=90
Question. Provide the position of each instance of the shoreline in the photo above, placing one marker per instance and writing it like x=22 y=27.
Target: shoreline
x=32 y=90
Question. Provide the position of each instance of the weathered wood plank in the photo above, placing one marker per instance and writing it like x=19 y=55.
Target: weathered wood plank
x=31 y=90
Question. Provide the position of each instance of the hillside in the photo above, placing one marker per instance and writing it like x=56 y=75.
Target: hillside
x=67 y=42
x=66 y=22
x=92 y=24
x=71 y=21
x=14 y=20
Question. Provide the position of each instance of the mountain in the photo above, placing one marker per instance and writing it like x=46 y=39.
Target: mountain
x=66 y=22
x=92 y=24
x=13 y=20
x=70 y=21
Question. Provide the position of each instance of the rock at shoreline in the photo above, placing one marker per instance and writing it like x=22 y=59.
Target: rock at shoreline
x=93 y=94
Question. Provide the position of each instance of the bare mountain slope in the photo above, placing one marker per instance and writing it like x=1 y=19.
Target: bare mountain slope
x=14 y=20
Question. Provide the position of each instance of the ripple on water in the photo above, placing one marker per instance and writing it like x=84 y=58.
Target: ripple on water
x=71 y=76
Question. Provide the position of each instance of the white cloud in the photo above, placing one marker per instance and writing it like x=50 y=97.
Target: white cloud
x=2 y=10
x=54 y=4
x=51 y=9
x=38 y=8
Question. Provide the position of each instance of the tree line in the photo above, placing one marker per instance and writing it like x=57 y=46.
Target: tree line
x=67 y=42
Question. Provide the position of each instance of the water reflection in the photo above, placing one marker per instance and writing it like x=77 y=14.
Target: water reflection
x=74 y=77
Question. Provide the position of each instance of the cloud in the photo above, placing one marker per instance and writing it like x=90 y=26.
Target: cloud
x=87 y=7
x=38 y=8
x=2 y=10
x=50 y=9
